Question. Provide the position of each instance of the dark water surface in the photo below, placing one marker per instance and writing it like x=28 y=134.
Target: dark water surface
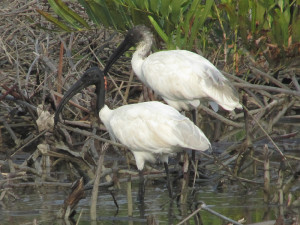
x=41 y=204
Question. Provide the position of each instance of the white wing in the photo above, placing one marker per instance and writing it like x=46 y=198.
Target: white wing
x=153 y=128
x=183 y=75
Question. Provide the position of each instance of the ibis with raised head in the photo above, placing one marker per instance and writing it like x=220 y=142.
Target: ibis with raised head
x=150 y=130
x=182 y=78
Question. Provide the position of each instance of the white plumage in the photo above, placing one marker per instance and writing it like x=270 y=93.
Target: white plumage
x=152 y=130
x=182 y=78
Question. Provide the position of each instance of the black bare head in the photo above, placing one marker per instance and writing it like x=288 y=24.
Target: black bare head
x=93 y=76
x=134 y=36
x=138 y=34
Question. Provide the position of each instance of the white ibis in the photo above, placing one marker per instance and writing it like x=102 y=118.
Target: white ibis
x=151 y=130
x=180 y=77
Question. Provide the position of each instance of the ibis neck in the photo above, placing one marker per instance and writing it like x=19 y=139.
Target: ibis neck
x=100 y=92
x=105 y=114
x=139 y=56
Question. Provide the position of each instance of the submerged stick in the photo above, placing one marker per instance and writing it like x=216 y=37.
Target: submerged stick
x=280 y=188
x=269 y=137
x=129 y=198
x=96 y=183
x=185 y=179
x=67 y=210
x=243 y=151
x=204 y=207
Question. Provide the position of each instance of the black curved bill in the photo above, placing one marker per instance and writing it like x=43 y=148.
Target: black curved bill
x=92 y=76
x=123 y=47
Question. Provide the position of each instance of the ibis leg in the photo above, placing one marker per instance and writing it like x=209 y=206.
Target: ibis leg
x=194 y=117
x=141 y=193
x=169 y=186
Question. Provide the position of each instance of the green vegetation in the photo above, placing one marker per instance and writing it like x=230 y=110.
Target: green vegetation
x=178 y=23
x=267 y=27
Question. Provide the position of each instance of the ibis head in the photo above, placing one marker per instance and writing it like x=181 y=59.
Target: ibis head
x=93 y=76
x=137 y=35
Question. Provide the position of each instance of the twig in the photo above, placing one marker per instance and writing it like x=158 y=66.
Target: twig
x=28 y=169
x=292 y=180
x=96 y=183
x=221 y=118
x=17 y=66
x=60 y=67
x=204 y=207
x=71 y=102
x=269 y=137
x=37 y=57
x=20 y=102
x=49 y=63
x=87 y=133
x=256 y=98
x=233 y=77
x=223 y=165
x=29 y=141
x=272 y=79
x=10 y=91
x=111 y=78
x=79 y=217
x=24 y=8
x=84 y=124
x=128 y=87
x=67 y=209
x=123 y=180
x=68 y=49
x=281 y=113
x=271 y=105
x=129 y=197
x=185 y=180
x=11 y=132
x=224 y=33
x=268 y=88
x=266 y=174
x=295 y=82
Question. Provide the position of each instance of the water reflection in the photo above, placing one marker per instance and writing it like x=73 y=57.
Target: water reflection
x=42 y=204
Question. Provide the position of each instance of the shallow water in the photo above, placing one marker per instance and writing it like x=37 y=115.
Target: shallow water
x=42 y=204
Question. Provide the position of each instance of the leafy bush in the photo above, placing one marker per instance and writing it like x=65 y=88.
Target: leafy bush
x=261 y=25
x=264 y=24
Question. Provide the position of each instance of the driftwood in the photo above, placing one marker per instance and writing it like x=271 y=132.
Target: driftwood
x=70 y=203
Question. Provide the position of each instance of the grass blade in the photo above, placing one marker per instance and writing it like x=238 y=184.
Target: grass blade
x=60 y=9
x=72 y=14
x=165 y=8
x=158 y=29
x=54 y=20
